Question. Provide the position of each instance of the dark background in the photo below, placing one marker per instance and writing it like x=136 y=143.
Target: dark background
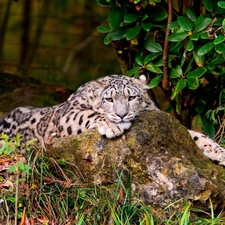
x=49 y=48
x=54 y=41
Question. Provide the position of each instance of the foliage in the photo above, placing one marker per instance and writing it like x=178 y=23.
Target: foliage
x=16 y=167
x=9 y=146
x=51 y=197
x=47 y=193
x=181 y=45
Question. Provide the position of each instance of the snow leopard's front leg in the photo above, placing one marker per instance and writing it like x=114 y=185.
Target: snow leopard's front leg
x=209 y=147
x=108 y=128
x=76 y=121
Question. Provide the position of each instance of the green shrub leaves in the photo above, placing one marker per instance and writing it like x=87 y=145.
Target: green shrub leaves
x=188 y=58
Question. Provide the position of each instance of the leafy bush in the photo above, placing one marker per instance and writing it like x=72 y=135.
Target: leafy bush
x=181 y=45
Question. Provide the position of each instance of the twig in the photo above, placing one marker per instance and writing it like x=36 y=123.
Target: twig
x=165 y=80
x=220 y=133
x=17 y=192
x=7 y=210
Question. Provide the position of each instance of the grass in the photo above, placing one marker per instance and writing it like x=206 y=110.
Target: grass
x=42 y=192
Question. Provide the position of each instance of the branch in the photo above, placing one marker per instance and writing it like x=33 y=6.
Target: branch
x=165 y=81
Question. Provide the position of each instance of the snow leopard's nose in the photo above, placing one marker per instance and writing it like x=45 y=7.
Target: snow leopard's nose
x=121 y=115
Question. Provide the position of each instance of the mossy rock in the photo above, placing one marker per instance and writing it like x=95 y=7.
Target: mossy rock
x=157 y=152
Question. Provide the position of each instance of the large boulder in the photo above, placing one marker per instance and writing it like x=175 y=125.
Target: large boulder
x=157 y=152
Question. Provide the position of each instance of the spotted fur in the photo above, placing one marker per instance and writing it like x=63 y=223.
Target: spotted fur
x=109 y=104
x=210 y=148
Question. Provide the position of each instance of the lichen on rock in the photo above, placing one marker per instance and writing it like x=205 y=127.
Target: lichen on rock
x=157 y=152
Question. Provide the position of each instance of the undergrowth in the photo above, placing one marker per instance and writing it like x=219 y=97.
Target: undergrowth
x=40 y=190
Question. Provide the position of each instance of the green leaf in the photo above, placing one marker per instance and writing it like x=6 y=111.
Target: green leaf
x=208 y=5
x=115 y=35
x=133 y=71
x=189 y=66
x=219 y=40
x=137 y=73
x=219 y=10
x=104 y=29
x=103 y=2
x=219 y=70
x=208 y=128
x=205 y=48
x=158 y=16
x=177 y=37
x=144 y=17
x=223 y=24
x=116 y=17
x=201 y=23
x=191 y=15
x=147 y=26
x=133 y=32
x=107 y=39
x=178 y=105
x=192 y=83
x=131 y=17
x=194 y=37
x=12 y=169
x=203 y=35
x=210 y=66
x=20 y=166
x=140 y=60
x=159 y=63
x=181 y=84
x=175 y=73
x=200 y=60
x=183 y=60
x=179 y=70
x=221 y=4
x=185 y=23
x=190 y=45
x=197 y=72
x=152 y=68
x=176 y=46
x=218 y=59
x=152 y=46
x=173 y=25
x=220 y=48
x=155 y=81
x=151 y=57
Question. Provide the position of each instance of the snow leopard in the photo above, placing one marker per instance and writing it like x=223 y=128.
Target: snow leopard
x=109 y=104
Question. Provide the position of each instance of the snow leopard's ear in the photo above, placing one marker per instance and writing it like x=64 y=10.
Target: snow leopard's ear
x=97 y=87
x=143 y=81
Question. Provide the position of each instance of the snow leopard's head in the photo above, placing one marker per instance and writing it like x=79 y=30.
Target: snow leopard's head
x=121 y=98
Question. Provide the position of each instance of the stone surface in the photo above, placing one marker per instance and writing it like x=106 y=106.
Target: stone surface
x=158 y=153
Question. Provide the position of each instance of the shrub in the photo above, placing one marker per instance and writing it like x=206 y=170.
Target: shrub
x=180 y=44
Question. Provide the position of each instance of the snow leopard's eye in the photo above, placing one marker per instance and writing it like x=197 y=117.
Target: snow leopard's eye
x=109 y=99
x=130 y=98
